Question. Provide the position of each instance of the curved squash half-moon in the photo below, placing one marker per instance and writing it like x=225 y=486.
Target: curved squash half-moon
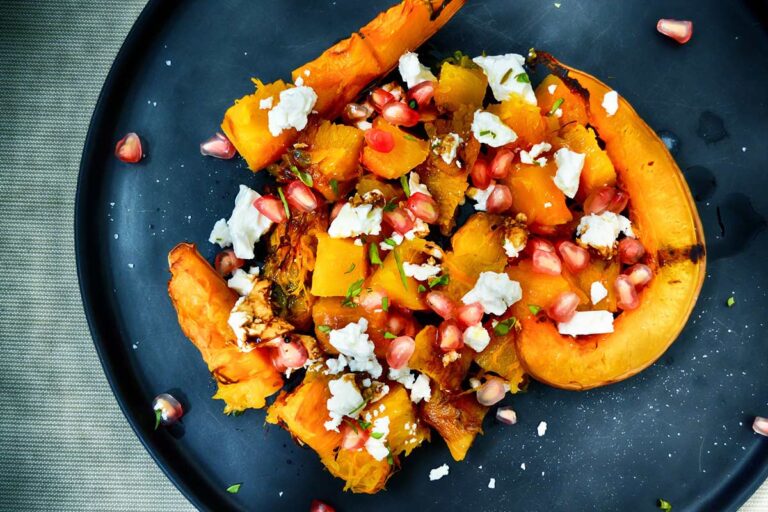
x=666 y=222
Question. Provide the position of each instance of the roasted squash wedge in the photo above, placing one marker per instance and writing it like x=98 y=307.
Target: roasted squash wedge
x=203 y=301
x=460 y=86
x=667 y=224
x=427 y=359
x=387 y=277
x=331 y=313
x=457 y=418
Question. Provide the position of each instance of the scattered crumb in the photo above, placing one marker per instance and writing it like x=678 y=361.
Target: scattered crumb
x=438 y=473
x=117 y=236
x=522 y=466
x=280 y=493
x=542 y=428
x=130 y=265
x=492 y=483
x=168 y=63
x=557 y=5
x=744 y=149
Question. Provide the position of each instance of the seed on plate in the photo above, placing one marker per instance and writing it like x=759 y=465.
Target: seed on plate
x=423 y=207
x=506 y=415
x=470 y=314
x=760 y=426
x=599 y=199
x=545 y=262
x=379 y=140
x=400 y=351
x=271 y=207
x=501 y=164
x=336 y=209
x=399 y=220
x=500 y=199
x=357 y=112
x=491 y=392
x=226 y=262
x=626 y=295
x=639 y=275
x=422 y=93
x=380 y=97
x=441 y=304
x=290 y=354
x=218 y=146
x=576 y=258
x=353 y=436
x=167 y=409
x=564 y=307
x=320 y=506
x=450 y=336
x=630 y=251
x=301 y=196
x=399 y=114
x=128 y=149
x=679 y=30
x=480 y=174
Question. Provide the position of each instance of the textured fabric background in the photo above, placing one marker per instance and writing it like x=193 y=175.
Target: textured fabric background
x=64 y=445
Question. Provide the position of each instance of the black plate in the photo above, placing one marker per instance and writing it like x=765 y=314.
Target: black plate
x=680 y=430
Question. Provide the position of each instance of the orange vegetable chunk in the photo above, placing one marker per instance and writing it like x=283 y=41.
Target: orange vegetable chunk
x=339 y=264
x=406 y=155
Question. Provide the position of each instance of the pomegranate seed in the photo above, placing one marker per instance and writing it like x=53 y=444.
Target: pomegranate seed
x=300 y=196
x=399 y=220
x=400 y=351
x=167 y=409
x=336 y=209
x=470 y=314
x=291 y=354
x=480 y=174
x=626 y=294
x=679 y=30
x=218 y=146
x=399 y=114
x=539 y=244
x=450 y=336
x=356 y=112
x=575 y=258
x=500 y=199
x=371 y=300
x=564 y=307
x=379 y=140
x=441 y=304
x=353 y=437
x=630 y=251
x=546 y=263
x=598 y=200
x=422 y=93
x=380 y=97
x=506 y=415
x=501 y=164
x=226 y=262
x=128 y=149
x=271 y=207
x=639 y=275
x=491 y=392
x=423 y=207
x=401 y=324
x=395 y=89
x=619 y=202
x=760 y=426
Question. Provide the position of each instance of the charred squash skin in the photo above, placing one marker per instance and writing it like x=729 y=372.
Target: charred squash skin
x=203 y=302
x=665 y=219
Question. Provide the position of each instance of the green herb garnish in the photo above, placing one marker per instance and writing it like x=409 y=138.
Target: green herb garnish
x=523 y=78
x=365 y=425
x=390 y=206
x=421 y=288
x=413 y=104
x=439 y=281
x=334 y=186
x=285 y=202
x=325 y=329
x=664 y=505
x=350 y=269
x=358 y=408
x=377 y=435
x=234 y=488
x=390 y=242
x=388 y=335
x=385 y=304
x=390 y=459
x=158 y=417
x=502 y=328
x=406 y=187
x=304 y=176
x=506 y=76
x=410 y=138
x=352 y=292
x=400 y=269
x=555 y=106
x=534 y=309
x=373 y=254
x=730 y=302
x=483 y=133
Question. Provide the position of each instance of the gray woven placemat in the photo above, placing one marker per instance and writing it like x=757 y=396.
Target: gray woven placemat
x=64 y=445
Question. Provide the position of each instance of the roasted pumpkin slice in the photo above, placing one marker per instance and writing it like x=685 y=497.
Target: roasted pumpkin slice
x=535 y=194
x=598 y=168
x=406 y=431
x=524 y=119
x=553 y=91
x=330 y=313
x=457 y=418
x=460 y=86
x=407 y=153
x=340 y=263
x=665 y=220
x=388 y=278
x=334 y=158
x=499 y=356
x=203 y=302
x=428 y=359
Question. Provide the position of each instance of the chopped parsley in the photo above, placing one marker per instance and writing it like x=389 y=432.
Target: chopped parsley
x=350 y=269
x=358 y=408
x=334 y=186
x=413 y=104
x=234 y=488
x=373 y=254
x=390 y=206
x=506 y=76
x=390 y=242
x=352 y=292
x=304 y=176
x=158 y=417
x=410 y=138
x=664 y=505
x=503 y=327
x=555 y=106
x=365 y=425
x=523 y=78
x=406 y=187
x=385 y=304
x=377 y=435
x=325 y=329
x=730 y=302
x=388 y=335
x=421 y=288
x=534 y=309
x=439 y=281
x=390 y=459
x=483 y=133
x=400 y=269
x=285 y=202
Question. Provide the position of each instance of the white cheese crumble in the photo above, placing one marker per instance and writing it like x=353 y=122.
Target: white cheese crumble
x=421 y=272
x=412 y=71
x=587 y=322
x=438 y=473
x=292 y=109
x=611 y=103
x=242 y=281
x=541 y=429
x=418 y=384
x=266 y=103
x=495 y=292
x=559 y=113
x=345 y=400
x=503 y=72
x=336 y=366
x=476 y=337
x=552 y=88
x=522 y=466
x=492 y=483
x=489 y=129
x=377 y=446
x=481 y=196
x=601 y=231
x=415 y=185
x=597 y=292
x=533 y=155
x=220 y=234
x=353 y=221
x=353 y=342
x=512 y=250
x=246 y=224
x=446 y=147
x=569 y=166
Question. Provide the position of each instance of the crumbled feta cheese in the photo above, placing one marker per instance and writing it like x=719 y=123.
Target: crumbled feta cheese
x=353 y=221
x=481 y=196
x=336 y=366
x=597 y=292
x=246 y=224
x=420 y=229
x=292 y=110
x=511 y=249
x=306 y=72
x=569 y=165
x=376 y=444
x=601 y=231
x=345 y=400
x=367 y=383
x=353 y=342
x=495 y=292
x=522 y=466
x=266 y=103
x=489 y=129
x=415 y=185
x=530 y=157
x=541 y=429
x=421 y=272
x=503 y=72
x=438 y=473
x=611 y=103
x=547 y=205
x=412 y=71
x=559 y=113
x=446 y=147
x=242 y=281
x=492 y=483
x=476 y=337
x=587 y=322
x=402 y=375
x=421 y=390
x=552 y=88
x=299 y=82
x=220 y=234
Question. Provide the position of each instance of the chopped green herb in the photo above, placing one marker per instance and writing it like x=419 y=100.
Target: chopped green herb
x=730 y=302
x=439 y=281
x=483 y=133
x=406 y=187
x=502 y=328
x=390 y=206
x=234 y=488
x=334 y=186
x=385 y=304
x=506 y=76
x=400 y=269
x=390 y=242
x=421 y=288
x=351 y=425
x=352 y=292
x=373 y=254
x=325 y=329
x=158 y=417
x=534 y=309
x=358 y=408
x=304 y=176
x=413 y=104
x=523 y=78
x=410 y=138
x=555 y=106
x=350 y=269
x=285 y=202
x=377 y=435
x=365 y=425
x=390 y=459
x=664 y=505
x=388 y=335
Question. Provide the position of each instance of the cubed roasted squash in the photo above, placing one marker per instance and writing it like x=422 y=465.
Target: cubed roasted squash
x=428 y=359
x=340 y=263
x=525 y=119
x=335 y=157
x=457 y=418
x=331 y=313
x=572 y=104
x=535 y=194
x=460 y=85
x=598 y=168
x=407 y=153
x=403 y=292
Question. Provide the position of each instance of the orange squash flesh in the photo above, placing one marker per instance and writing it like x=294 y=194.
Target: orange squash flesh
x=387 y=277
x=427 y=359
x=407 y=153
x=535 y=194
x=333 y=153
x=457 y=418
x=340 y=263
x=665 y=219
x=572 y=106
x=330 y=312
x=525 y=119
x=460 y=86
x=203 y=302
x=598 y=168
